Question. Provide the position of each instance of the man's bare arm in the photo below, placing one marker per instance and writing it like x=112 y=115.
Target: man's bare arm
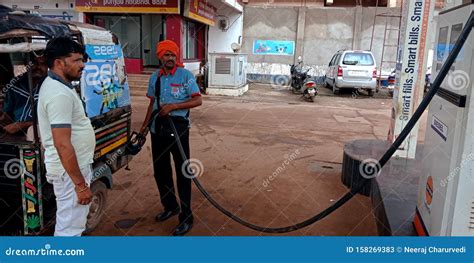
x=148 y=114
x=67 y=155
x=17 y=126
x=193 y=102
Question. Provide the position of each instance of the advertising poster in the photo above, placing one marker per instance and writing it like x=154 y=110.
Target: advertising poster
x=274 y=47
x=103 y=90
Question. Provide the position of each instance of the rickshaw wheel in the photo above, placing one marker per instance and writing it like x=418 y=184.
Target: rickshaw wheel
x=97 y=208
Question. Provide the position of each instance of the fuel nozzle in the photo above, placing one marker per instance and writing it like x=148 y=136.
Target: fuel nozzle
x=137 y=140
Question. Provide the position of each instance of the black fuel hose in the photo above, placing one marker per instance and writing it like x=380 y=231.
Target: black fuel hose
x=383 y=160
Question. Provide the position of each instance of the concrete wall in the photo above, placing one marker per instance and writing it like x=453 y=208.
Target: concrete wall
x=326 y=30
x=390 y=3
x=220 y=41
x=390 y=53
x=272 y=24
x=268 y=23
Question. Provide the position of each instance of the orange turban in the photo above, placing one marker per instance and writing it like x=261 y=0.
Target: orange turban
x=168 y=45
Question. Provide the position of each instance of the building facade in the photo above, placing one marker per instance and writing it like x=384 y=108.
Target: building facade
x=197 y=26
x=140 y=24
x=316 y=30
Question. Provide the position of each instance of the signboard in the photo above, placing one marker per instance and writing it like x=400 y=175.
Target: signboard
x=273 y=47
x=201 y=11
x=128 y=6
x=440 y=128
x=410 y=72
x=104 y=51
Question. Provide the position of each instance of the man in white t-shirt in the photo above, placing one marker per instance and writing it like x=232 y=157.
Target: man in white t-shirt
x=67 y=136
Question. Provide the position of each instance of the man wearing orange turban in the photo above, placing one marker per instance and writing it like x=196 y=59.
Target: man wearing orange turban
x=168 y=46
x=172 y=91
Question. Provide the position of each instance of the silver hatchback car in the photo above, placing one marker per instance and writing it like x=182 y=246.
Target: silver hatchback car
x=352 y=69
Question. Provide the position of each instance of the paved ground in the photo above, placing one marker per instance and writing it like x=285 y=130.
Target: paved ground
x=268 y=156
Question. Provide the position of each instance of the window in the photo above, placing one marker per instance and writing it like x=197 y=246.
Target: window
x=126 y=28
x=190 y=40
x=332 y=60
x=455 y=33
x=360 y=59
x=336 y=60
x=193 y=40
x=441 y=47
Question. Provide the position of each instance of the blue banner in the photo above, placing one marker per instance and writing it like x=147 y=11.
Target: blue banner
x=236 y=249
x=104 y=52
x=273 y=47
x=102 y=89
x=442 y=51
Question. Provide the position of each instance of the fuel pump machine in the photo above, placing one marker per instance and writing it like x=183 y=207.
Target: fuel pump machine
x=446 y=190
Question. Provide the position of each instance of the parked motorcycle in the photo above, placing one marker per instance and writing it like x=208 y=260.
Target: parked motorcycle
x=298 y=76
x=301 y=80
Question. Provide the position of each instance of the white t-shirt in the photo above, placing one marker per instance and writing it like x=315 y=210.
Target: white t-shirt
x=60 y=106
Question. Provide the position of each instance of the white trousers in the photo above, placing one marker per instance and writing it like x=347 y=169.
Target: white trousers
x=71 y=217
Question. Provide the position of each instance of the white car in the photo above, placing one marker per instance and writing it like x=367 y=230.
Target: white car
x=352 y=69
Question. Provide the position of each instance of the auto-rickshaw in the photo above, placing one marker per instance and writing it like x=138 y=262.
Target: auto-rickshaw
x=27 y=200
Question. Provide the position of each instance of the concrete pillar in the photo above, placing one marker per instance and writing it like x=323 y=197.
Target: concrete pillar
x=81 y=17
x=299 y=45
x=410 y=74
x=357 y=29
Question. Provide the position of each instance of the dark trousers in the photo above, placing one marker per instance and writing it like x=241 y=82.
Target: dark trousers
x=162 y=147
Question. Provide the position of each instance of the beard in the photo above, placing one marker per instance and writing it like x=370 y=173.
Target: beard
x=71 y=76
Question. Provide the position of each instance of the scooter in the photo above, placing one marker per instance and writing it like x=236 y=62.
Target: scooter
x=391 y=82
x=310 y=90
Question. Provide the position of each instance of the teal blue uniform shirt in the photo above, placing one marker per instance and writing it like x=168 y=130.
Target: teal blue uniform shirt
x=177 y=87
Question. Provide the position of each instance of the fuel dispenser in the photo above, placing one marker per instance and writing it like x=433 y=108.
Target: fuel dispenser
x=445 y=204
